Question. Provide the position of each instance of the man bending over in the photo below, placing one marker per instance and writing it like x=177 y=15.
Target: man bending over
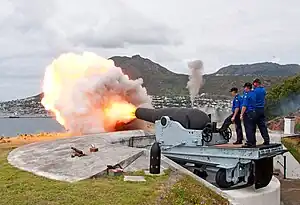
x=235 y=116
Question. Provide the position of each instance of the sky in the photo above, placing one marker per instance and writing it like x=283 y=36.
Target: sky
x=169 y=32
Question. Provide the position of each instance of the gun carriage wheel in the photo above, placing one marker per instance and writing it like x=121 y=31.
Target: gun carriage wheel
x=227 y=134
x=221 y=179
x=207 y=134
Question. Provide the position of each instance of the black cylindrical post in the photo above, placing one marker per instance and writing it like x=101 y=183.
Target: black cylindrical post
x=155 y=156
x=214 y=127
x=284 y=167
x=209 y=115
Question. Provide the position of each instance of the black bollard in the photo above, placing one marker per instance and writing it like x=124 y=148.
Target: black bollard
x=214 y=127
x=209 y=115
x=155 y=156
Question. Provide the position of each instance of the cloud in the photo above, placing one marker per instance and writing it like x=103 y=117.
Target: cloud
x=218 y=32
x=124 y=29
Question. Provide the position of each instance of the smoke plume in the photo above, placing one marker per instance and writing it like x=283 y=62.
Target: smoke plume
x=287 y=105
x=195 y=79
x=217 y=114
x=89 y=94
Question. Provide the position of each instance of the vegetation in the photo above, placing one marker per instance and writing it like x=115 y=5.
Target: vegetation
x=293 y=145
x=261 y=69
x=23 y=188
x=283 y=97
x=220 y=85
x=160 y=81
x=186 y=192
x=297 y=128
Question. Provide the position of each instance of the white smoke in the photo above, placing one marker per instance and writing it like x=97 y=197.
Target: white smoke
x=79 y=86
x=195 y=78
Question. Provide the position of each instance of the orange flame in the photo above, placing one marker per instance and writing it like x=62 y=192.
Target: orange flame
x=55 y=80
x=120 y=111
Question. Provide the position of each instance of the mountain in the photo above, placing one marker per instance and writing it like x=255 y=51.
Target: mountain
x=157 y=79
x=220 y=85
x=260 y=69
x=160 y=81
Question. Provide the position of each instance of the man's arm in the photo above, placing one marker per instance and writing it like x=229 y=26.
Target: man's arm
x=235 y=112
x=237 y=108
x=244 y=106
x=243 y=110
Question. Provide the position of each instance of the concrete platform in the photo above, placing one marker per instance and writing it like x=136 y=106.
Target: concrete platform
x=53 y=159
x=267 y=195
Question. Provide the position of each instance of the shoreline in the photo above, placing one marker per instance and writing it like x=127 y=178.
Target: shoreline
x=31 y=138
x=45 y=136
x=17 y=117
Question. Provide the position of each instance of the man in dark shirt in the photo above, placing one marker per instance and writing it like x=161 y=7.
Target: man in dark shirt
x=235 y=116
x=260 y=121
x=248 y=115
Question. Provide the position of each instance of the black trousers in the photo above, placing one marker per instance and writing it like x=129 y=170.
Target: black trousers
x=261 y=124
x=250 y=127
x=238 y=126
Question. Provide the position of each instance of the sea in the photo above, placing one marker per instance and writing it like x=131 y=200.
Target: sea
x=13 y=126
x=30 y=125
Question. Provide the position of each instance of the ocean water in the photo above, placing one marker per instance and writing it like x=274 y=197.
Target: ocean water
x=15 y=126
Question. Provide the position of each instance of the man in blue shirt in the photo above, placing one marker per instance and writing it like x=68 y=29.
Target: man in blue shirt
x=260 y=121
x=248 y=115
x=235 y=116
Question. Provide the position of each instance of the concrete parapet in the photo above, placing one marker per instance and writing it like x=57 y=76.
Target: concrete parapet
x=250 y=196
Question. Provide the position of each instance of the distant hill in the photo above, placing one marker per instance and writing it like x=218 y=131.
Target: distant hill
x=260 y=69
x=157 y=79
x=160 y=81
x=220 y=85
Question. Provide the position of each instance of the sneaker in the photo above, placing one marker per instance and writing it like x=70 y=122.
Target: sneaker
x=238 y=142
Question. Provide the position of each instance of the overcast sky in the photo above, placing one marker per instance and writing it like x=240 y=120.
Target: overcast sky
x=170 y=32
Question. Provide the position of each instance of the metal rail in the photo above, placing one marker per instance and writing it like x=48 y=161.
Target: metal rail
x=283 y=166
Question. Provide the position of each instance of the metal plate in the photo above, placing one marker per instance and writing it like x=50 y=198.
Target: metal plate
x=263 y=172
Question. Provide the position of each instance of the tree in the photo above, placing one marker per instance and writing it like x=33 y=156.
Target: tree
x=283 y=98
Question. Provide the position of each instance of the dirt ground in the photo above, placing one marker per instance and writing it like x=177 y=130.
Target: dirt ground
x=290 y=191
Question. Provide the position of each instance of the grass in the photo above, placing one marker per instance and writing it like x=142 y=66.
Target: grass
x=297 y=127
x=186 y=192
x=293 y=145
x=22 y=188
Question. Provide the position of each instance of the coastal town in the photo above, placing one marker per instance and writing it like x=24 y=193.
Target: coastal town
x=33 y=107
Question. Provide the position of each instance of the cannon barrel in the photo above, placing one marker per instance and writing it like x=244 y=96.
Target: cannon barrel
x=189 y=118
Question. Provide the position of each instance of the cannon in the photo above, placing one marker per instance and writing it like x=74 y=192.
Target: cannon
x=189 y=119
x=188 y=137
